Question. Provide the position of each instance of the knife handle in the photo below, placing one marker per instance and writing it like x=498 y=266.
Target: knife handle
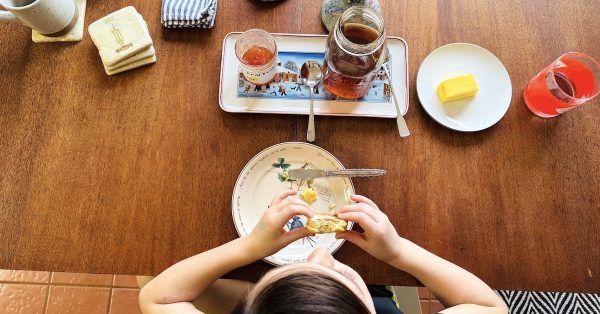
x=355 y=173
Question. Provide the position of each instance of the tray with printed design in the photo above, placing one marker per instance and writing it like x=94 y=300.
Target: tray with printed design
x=287 y=95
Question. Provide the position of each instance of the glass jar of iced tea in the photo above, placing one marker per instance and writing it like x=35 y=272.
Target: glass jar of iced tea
x=356 y=49
x=256 y=52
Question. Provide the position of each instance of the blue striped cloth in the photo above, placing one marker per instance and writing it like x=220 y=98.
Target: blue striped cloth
x=188 y=13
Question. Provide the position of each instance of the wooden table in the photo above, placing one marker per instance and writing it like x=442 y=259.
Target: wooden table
x=131 y=173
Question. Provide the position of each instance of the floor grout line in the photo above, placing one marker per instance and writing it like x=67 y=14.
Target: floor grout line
x=24 y=282
x=48 y=293
x=59 y=284
x=110 y=294
x=66 y=285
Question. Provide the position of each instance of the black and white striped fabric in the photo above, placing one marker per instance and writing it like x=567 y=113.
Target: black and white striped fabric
x=188 y=13
x=525 y=302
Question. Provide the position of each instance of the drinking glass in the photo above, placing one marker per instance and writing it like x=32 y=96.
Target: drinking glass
x=256 y=52
x=571 y=80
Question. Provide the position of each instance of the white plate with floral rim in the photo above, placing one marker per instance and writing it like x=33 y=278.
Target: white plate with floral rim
x=264 y=176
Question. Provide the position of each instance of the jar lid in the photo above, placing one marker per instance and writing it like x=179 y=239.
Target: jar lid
x=333 y=9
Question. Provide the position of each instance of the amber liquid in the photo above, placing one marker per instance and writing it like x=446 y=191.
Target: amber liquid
x=360 y=34
x=349 y=76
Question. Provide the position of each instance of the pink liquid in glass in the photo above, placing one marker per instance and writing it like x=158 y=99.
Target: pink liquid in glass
x=563 y=85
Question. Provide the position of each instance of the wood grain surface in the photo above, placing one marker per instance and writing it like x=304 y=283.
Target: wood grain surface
x=131 y=173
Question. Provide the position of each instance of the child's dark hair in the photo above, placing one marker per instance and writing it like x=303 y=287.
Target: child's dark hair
x=309 y=292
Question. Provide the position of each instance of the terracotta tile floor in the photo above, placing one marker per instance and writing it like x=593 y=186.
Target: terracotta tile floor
x=34 y=292
x=429 y=304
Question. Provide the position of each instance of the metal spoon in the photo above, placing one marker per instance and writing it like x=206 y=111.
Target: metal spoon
x=311 y=77
x=402 y=127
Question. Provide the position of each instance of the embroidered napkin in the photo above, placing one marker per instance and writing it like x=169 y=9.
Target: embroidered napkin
x=188 y=13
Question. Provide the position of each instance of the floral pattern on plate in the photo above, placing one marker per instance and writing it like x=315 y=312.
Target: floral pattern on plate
x=264 y=176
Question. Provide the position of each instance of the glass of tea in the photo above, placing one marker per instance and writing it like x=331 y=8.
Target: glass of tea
x=256 y=51
x=356 y=49
x=571 y=80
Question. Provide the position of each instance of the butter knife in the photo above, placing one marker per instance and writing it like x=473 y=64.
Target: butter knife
x=304 y=174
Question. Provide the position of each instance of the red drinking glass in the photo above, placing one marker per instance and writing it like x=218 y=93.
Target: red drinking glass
x=571 y=80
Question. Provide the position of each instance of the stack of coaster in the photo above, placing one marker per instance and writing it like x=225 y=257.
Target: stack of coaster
x=123 y=40
x=188 y=13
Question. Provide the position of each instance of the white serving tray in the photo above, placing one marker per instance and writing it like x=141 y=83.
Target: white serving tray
x=230 y=102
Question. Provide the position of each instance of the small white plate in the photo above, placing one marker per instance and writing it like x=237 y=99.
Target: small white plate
x=471 y=114
x=259 y=182
x=230 y=102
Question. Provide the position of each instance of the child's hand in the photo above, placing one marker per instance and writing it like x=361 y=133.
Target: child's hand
x=380 y=238
x=268 y=235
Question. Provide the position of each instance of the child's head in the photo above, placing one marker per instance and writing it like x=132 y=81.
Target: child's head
x=323 y=285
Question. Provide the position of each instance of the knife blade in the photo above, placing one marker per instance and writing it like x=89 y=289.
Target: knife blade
x=305 y=174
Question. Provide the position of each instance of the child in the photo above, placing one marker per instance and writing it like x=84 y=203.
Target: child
x=322 y=285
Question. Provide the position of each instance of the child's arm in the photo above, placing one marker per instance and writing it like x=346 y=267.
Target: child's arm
x=174 y=289
x=455 y=287
x=451 y=284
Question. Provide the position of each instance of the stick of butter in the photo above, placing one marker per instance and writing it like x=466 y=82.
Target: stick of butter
x=457 y=88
